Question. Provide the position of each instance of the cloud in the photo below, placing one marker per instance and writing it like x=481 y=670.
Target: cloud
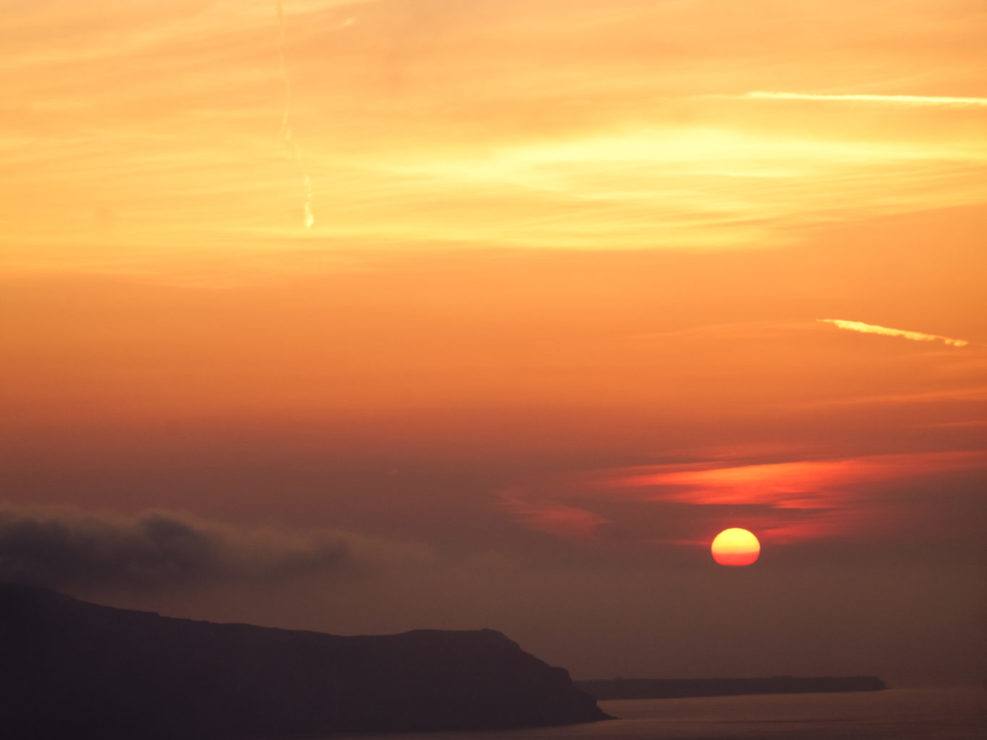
x=915 y=336
x=63 y=548
x=969 y=398
x=785 y=502
x=561 y=520
x=917 y=100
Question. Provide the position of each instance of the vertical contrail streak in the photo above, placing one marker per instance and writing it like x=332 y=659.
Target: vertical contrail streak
x=287 y=137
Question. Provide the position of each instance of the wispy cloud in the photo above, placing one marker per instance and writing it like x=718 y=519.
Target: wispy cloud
x=919 y=100
x=686 y=503
x=915 y=336
x=151 y=130
x=561 y=520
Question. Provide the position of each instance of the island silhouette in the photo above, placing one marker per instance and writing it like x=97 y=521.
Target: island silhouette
x=673 y=688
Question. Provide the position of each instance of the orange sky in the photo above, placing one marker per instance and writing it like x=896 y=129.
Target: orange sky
x=554 y=242
x=143 y=138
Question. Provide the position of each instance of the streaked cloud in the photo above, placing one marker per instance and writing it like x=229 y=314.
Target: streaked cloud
x=920 y=100
x=153 y=131
x=967 y=397
x=915 y=336
x=561 y=520
x=684 y=504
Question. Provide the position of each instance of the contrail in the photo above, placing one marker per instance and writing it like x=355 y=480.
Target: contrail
x=287 y=136
x=917 y=100
x=915 y=336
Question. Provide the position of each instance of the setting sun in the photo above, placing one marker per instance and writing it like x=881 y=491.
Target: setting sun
x=735 y=546
x=361 y=317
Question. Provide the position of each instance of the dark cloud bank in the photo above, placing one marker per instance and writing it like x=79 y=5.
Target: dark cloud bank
x=64 y=548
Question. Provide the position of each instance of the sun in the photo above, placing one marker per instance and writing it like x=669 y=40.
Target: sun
x=735 y=546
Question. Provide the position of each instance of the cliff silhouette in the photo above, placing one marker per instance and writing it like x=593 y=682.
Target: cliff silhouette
x=72 y=669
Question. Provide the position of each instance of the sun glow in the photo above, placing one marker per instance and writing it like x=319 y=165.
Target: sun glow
x=735 y=546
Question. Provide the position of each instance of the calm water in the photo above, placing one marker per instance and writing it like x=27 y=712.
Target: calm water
x=896 y=714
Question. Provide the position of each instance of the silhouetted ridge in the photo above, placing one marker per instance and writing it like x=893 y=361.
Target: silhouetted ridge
x=71 y=669
x=667 y=688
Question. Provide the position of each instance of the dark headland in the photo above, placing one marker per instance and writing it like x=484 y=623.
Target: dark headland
x=71 y=669
x=669 y=688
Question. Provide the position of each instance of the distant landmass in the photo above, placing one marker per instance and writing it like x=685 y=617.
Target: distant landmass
x=668 y=688
x=71 y=669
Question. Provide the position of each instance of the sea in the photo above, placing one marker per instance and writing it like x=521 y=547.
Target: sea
x=894 y=714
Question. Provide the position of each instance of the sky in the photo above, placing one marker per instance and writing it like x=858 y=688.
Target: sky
x=367 y=316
